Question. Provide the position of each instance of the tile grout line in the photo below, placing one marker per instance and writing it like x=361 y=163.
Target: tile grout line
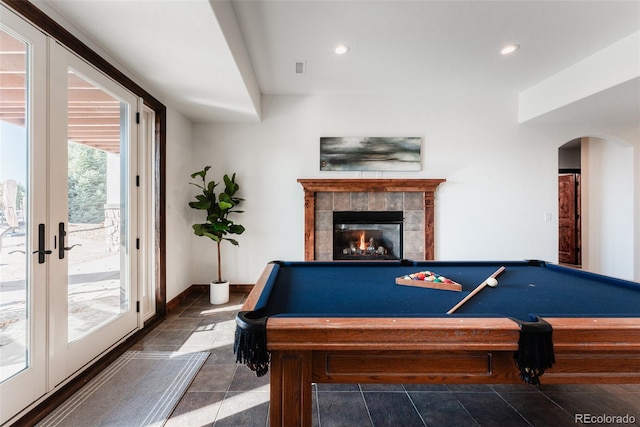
x=511 y=406
x=424 y=423
x=365 y=405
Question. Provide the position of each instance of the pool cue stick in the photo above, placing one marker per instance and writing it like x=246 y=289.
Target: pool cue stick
x=478 y=288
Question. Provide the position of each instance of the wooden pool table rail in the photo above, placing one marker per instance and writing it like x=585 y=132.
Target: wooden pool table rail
x=304 y=351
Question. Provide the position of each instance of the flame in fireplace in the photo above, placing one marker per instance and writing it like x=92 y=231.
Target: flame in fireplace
x=363 y=246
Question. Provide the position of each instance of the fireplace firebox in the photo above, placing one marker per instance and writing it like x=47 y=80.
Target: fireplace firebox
x=367 y=235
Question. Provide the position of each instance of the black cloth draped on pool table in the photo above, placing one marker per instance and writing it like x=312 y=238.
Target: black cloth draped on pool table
x=250 y=344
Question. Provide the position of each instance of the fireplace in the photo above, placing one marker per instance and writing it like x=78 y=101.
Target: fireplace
x=367 y=235
x=415 y=198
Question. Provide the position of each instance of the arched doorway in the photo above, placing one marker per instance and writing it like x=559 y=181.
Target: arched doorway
x=603 y=171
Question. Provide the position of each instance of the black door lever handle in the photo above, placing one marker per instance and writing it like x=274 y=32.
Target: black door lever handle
x=61 y=235
x=47 y=252
x=41 y=250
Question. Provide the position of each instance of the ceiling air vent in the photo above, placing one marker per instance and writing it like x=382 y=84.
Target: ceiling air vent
x=300 y=67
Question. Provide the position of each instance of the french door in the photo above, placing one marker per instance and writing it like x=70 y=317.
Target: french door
x=23 y=279
x=68 y=261
x=92 y=159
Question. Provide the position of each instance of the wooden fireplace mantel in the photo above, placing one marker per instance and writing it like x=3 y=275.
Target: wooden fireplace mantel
x=313 y=186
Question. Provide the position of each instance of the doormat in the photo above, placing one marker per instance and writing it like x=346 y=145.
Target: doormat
x=141 y=388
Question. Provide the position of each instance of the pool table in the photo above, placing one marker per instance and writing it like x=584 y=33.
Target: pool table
x=349 y=322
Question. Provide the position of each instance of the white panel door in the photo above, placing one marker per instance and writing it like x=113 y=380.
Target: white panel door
x=92 y=170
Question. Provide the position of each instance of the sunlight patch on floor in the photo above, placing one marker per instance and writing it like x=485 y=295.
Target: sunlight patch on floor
x=218 y=410
x=211 y=337
x=221 y=309
x=241 y=402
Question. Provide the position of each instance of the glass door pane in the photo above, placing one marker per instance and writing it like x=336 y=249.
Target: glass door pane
x=14 y=286
x=95 y=241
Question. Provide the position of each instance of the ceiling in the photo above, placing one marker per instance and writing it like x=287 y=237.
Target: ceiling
x=212 y=59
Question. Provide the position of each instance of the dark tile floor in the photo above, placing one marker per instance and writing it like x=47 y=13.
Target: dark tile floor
x=226 y=394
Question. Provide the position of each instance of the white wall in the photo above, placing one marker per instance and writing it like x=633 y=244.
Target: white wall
x=608 y=202
x=178 y=238
x=499 y=175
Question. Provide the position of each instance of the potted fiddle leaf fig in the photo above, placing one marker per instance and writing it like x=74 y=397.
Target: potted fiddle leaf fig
x=217 y=226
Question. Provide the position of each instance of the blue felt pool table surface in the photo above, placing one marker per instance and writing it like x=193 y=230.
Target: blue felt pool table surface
x=368 y=289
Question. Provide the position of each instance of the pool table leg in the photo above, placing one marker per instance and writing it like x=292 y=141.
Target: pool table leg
x=291 y=391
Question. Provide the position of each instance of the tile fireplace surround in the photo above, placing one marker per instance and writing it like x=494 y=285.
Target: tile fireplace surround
x=414 y=197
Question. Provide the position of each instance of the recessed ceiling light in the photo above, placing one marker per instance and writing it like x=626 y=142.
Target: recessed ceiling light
x=341 y=49
x=509 y=49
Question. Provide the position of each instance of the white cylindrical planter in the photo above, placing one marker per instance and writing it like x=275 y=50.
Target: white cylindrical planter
x=219 y=292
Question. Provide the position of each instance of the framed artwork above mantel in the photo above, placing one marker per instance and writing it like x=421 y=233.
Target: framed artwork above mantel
x=398 y=154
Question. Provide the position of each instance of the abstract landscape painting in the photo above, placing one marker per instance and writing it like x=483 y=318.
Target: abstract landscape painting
x=370 y=153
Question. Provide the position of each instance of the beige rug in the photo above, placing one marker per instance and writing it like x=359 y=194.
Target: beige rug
x=141 y=388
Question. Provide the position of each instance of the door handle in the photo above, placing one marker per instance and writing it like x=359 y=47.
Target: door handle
x=41 y=250
x=61 y=237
